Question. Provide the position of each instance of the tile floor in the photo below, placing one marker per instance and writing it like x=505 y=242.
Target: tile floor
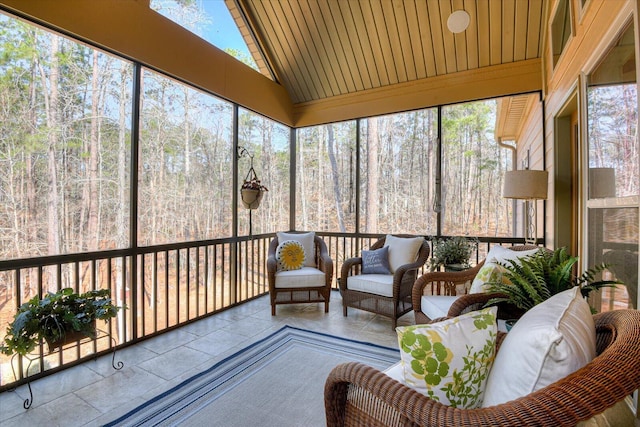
x=93 y=393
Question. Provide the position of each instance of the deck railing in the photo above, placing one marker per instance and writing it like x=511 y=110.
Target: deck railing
x=162 y=287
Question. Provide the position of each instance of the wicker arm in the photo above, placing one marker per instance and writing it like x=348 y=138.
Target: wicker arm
x=350 y=267
x=405 y=276
x=356 y=394
x=473 y=302
x=323 y=260
x=272 y=264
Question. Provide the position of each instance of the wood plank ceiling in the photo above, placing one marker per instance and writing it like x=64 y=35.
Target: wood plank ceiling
x=318 y=49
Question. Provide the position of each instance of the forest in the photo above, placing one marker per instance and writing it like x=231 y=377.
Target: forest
x=68 y=150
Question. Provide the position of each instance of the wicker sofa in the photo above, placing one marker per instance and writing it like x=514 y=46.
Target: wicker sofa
x=359 y=395
x=443 y=285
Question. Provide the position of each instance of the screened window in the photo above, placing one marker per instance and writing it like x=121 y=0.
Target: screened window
x=325 y=174
x=65 y=155
x=473 y=166
x=397 y=181
x=268 y=143
x=185 y=160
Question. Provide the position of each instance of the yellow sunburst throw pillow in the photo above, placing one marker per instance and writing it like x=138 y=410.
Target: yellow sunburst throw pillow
x=290 y=255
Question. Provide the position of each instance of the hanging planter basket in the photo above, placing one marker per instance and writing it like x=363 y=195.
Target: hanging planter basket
x=252 y=190
x=251 y=198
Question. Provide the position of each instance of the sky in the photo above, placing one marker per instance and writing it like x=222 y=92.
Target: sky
x=220 y=31
x=223 y=32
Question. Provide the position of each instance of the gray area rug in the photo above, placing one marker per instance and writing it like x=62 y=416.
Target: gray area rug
x=277 y=381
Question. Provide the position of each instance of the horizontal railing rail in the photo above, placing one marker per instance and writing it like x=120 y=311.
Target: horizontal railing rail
x=160 y=287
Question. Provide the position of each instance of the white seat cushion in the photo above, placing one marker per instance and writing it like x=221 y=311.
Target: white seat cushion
x=306 y=277
x=434 y=306
x=379 y=284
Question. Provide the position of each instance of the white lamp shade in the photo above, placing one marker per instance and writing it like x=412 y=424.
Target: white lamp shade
x=602 y=183
x=525 y=184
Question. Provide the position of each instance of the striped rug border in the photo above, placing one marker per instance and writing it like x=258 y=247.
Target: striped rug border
x=190 y=390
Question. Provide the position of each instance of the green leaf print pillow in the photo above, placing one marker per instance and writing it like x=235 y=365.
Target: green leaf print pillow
x=450 y=361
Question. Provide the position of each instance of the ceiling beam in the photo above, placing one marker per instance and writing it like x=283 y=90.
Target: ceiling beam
x=487 y=82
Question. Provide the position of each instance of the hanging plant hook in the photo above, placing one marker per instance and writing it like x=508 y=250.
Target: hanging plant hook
x=251 y=180
x=243 y=152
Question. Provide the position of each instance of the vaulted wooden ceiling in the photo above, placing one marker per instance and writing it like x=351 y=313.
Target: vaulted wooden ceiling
x=318 y=49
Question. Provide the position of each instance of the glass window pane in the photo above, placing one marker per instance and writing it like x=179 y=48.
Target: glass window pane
x=325 y=177
x=613 y=239
x=211 y=21
x=65 y=156
x=186 y=148
x=268 y=142
x=398 y=155
x=614 y=171
x=560 y=28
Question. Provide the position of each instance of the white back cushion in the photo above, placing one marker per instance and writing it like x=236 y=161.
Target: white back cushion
x=402 y=250
x=549 y=342
x=491 y=271
x=307 y=242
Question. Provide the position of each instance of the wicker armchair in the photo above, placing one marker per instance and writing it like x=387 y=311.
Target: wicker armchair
x=313 y=284
x=446 y=283
x=358 y=395
x=394 y=306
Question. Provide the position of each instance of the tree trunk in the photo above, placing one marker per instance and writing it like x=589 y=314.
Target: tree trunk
x=334 y=174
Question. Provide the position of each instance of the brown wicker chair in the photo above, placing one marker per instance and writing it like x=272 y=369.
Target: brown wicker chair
x=394 y=306
x=300 y=294
x=446 y=283
x=359 y=395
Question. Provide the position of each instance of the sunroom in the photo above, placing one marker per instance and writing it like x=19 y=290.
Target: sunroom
x=126 y=139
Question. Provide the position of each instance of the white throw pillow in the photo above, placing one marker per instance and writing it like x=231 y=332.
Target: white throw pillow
x=402 y=250
x=449 y=361
x=550 y=341
x=491 y=271
x=307 y=242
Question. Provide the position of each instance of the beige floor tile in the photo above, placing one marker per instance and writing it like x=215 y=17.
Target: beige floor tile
x=93 y=393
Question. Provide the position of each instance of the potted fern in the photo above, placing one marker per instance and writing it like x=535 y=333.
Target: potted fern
x=57 y=318
x=535 y=278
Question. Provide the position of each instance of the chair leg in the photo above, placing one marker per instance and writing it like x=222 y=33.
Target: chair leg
x=326 y=306
x=344 y=310
x=273 y=309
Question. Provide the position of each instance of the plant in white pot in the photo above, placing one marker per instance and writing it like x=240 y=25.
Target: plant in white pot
x=252 y=191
